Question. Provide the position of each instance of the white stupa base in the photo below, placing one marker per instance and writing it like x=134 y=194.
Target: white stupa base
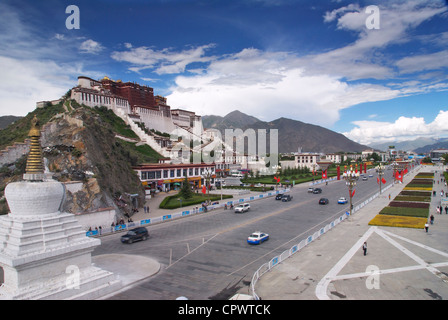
x=93 y=283
x=49 y=257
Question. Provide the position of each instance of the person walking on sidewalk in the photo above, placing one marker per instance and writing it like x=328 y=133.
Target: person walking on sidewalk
x=426 y=227
x=364 y=248
x=431 y=219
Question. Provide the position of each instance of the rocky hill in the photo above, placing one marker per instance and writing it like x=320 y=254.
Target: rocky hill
x=82 y=144
x=292 y=134
x=234 y=120
x=7 y=120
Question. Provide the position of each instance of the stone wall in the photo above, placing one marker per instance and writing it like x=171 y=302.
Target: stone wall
x=13 y=153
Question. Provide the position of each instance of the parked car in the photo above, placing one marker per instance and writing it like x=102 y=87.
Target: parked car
x=286 y=197
x=310 y=189
x=317 y=190
x=279 y=196
x=364 y=178
x=241 y=208
x=342 y=200
x=136 y=234
x=323 y=201
x=257 y=237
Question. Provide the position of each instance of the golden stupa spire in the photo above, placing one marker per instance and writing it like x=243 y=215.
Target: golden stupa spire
x=34 y=164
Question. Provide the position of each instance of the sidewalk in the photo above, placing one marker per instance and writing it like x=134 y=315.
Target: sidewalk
x=401 y=263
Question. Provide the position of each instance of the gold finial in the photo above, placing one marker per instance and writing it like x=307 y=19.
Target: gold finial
x=34 y=163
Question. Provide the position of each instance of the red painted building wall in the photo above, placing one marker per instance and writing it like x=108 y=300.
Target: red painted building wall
x=136 y=94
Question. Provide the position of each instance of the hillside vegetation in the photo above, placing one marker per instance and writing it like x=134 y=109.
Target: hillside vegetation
x=83 y=144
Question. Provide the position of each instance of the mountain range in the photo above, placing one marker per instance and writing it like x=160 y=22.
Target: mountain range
x=293 y=135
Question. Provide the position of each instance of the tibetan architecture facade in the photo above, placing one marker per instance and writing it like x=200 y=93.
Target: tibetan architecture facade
x=166 y=176
x=135 y=100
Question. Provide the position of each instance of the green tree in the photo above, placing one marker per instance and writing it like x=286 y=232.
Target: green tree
x=445 y=158
x=185 y=192
x=426 y=160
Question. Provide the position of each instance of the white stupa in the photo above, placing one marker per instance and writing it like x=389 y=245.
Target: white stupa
x=44 y=253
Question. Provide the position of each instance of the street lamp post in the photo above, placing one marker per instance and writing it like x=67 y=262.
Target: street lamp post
x=350 y=177
x=394 y=167
x=380 y=169
x=207 y=176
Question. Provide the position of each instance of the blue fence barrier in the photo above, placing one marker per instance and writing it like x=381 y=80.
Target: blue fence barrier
x=184 y=213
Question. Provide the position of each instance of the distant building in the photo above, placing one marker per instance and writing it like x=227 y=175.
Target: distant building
x=92 y=93
x=436 y=154
x=308 y=160
x=166 y=176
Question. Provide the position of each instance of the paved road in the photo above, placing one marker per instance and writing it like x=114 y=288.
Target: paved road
x=207 y=257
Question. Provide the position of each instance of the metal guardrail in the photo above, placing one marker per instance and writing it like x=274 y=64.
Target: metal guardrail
x=296 y=248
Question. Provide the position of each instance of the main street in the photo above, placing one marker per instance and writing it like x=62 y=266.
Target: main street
x=207 y=257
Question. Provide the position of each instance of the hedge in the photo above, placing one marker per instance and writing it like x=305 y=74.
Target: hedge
x=412 y=198
x=405 y=204
x=408 y=212
x=398 y=221
x=415 y=193
x=172 y=202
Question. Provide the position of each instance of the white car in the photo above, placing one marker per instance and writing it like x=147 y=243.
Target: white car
x=257 y=237
x=342 y=200
x=241 y=208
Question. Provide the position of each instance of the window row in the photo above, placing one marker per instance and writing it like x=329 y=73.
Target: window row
x=173 y=173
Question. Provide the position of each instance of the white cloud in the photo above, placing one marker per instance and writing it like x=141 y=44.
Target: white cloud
x=91 y=46
x=404 y=128
x=35 y=64
x=25 y=82
x=358 y=60
x=165 y=61
x=270 y=85
x=431 y=61
x=311 y=88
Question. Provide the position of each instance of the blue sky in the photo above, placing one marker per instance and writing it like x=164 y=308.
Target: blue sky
x=319 y=62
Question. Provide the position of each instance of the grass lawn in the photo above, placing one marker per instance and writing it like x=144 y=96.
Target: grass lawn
x=172 y=202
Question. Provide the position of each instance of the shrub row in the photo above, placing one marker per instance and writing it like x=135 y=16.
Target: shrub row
x=412 y=198
x=409 y=204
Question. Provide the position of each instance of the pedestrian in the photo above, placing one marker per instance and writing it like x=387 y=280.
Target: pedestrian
x=431 y=219
x=364 y=248
x=426 y=226
x=446 y=209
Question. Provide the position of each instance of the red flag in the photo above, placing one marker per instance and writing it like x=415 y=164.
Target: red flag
x=204 y=190
x=378 y=180
x=277 y=179
x=353 y=193
x=383 y=181
x=324 y=174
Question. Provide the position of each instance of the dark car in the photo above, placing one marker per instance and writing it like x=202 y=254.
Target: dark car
x=136 y=234
x=286 y=197
x=323 y=201
x=317 y=190
x=279 y=196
